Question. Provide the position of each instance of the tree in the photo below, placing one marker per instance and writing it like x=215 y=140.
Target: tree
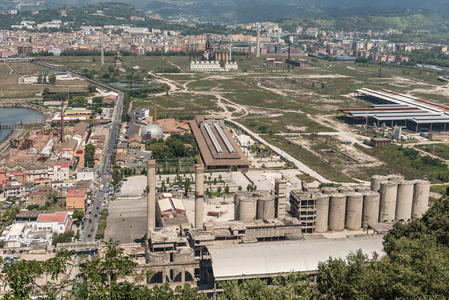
x=21 y=276
x=78 y=215
x=89 y=152
x=100 y=277
x=219 y=189
x=240 y=188
x=65 y=237
x=226 y=190
x=52 y=79
x=91 y=88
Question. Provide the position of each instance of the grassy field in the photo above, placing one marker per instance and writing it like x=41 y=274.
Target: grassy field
x=269 y=100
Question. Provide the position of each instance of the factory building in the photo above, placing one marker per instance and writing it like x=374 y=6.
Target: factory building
x=390 y=199
x=218 y=149
x=262 y=242
x=394 y=109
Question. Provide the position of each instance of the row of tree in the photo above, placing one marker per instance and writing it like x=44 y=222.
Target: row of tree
x=415 y=266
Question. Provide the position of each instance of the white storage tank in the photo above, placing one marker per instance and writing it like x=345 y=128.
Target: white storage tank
x=388 y=195
x=420 y=198
x=371 y=202
x=322 y=213
x=337 y=209
x=404 y=200
x=247 y=209
x=354 y=207
x=375 y=182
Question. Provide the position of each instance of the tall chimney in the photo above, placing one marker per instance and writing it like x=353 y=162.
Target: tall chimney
x=62 y=121
x=151 y=193
x=102 y=49
x=258 y=40
x=199 y=195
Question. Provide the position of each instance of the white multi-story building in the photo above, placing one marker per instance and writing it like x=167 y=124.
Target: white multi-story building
x=212 y=66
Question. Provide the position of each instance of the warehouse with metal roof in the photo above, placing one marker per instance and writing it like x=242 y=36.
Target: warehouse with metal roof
x=264 y=260
x=394 y=109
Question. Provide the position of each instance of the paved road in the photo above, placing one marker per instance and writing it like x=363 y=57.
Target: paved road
x=91 y=227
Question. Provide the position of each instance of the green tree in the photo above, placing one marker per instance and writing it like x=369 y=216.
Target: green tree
x=226 y=190
x=22 y=275
x=78 y=215
x=52 y=79
x=91 y=88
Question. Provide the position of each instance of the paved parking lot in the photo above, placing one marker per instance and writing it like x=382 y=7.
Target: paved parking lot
x=127 y=219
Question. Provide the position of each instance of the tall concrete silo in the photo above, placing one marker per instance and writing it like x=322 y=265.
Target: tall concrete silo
x=322 y=213
x=237 y=197
x=199 y=195
x=354 y=208
x=388 y=196
x=404 y=200
x=370 y=213
x=420 y=198
x=247 y=209
x=151 y=193
x=375 y=182
x=265 y=207
x=337 y=209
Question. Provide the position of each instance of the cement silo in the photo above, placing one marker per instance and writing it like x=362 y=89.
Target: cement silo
x=370 y=213
x=404 y=200
x=337 y=209
x=388 y=195
x=375 y=182
x=322 y=213
x=247 y=209
x=354 y=207
x=420 y=198
x=265 y=208
x=237 y=197
x=329 y=190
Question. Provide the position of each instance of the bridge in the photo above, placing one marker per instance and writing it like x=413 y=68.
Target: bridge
x=18 y=125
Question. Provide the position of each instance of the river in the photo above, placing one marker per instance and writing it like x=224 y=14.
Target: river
x=17 y=114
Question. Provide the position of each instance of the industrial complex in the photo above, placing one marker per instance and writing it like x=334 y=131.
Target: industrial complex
x=394 y=109
x=206 y=253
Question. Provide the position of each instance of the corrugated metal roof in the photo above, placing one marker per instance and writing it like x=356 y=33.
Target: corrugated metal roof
x=230 y=261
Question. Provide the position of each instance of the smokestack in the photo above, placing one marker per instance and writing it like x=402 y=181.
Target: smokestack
x=258 y=40
x=151 y=193
x=62 y=121
x=199 y=195
x=102 y=49
x=230 y=53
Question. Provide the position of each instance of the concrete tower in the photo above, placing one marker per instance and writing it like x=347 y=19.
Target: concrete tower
x=102 y=49
x=258 y=40
x=62 y=122
x=151 y=193
x=199 y=195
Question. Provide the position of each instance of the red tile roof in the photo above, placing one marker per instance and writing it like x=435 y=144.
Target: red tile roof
x=56 y=217
x=76 y=193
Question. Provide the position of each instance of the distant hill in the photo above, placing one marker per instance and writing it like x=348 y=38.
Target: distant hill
x=405 y=20
x=244 y=11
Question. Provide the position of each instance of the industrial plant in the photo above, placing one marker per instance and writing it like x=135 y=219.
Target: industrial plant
x=389 y=199
x=394 y=109
x=206 y=253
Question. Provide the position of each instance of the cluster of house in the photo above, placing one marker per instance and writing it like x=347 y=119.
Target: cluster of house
x=37 y=184
x=34 y=229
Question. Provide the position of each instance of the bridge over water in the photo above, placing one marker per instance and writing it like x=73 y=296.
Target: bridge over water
x=18 y=125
